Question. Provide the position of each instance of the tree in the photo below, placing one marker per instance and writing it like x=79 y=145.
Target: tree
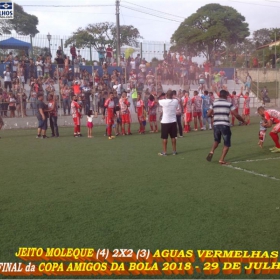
x=100 y=34
x=212 y=27
x=23 y=23
x=261 y=37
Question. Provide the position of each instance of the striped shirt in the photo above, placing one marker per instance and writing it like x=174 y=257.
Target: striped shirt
x=222 y=108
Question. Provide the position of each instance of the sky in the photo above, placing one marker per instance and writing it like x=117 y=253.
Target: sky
x=155 y=30
x=63 y=21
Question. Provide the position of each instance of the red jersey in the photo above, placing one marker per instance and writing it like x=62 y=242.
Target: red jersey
x=272 y=115
x=207 y=67
x=110 y=105
x=197 y=103
x=76 y=89
x=109 y=52
x=235 y=100
x=246 y=102
x=140 y=108
x=124 y=106
x=187 y=105
x=75 y=109
x=152 y=107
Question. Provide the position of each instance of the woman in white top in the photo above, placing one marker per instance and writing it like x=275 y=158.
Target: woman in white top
x=39 y=65
x=7 y=78
x=15 y=64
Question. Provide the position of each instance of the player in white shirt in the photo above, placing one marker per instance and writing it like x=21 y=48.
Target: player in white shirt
x=169 y=122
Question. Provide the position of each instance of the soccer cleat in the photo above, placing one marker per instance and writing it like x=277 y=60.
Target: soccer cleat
x=110 y=138
x=38 y=136
x=277 y=150
x=273 y=148
x=162 y=154
x=195 y=129
x=129 y=133
x=181 y=136
x=174 y=153
x=151 y=131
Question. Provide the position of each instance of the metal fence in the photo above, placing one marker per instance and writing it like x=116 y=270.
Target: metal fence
x=148 y=49
x=262 y=77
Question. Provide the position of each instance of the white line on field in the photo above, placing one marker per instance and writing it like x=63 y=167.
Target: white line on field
x=253 y=160
x=253 y=172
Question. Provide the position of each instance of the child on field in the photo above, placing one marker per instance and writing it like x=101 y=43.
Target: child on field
x=90 y=117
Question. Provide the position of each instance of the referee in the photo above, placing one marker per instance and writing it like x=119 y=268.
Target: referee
x=168 y=122
x=220 y=110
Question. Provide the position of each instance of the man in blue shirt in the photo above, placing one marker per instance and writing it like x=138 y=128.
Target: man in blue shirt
x=205 y=107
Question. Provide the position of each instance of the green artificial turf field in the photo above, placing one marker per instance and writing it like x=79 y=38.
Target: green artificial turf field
x=80 y=192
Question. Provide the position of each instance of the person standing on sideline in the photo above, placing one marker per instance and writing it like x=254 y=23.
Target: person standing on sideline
x=168 y=122
x=110 y=107
x=52 y=106
x=271 y=117
x=125 y=113
x=206 y=102
x=179 y=113
x=42 y=120
x=187 y=111
x=220 y=110
x=140 y=106
x=75 y=108
x=197 y=109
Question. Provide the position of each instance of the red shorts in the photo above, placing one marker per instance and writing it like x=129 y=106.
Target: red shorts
x=188 y=117
x=152 y=118
x=246 y=111
x=89 y=124
x=197 y=114
x=76 y=121
x=126 y=118
x=109 y=120
x=276 y=128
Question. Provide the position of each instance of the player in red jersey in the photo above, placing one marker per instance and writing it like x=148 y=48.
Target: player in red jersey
x=187 y=105
x=152 y=112
x=75 y=109
x=110 y=114
x=125 y=113
x=197 y=109
x=272 y=117
x=140 y=113
x=235 y=98
x=246 y=107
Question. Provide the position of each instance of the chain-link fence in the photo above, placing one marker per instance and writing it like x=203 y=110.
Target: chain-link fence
x=40 y=42
x=263 y=78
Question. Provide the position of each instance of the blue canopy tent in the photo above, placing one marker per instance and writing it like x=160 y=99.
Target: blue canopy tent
x=13 y=43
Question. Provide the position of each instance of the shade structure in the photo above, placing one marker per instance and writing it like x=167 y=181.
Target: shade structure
x=273 y=44
x=13 y=43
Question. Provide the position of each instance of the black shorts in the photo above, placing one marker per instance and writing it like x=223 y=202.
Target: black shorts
x=222 y=130
x=168 y=129
x=43 y=124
